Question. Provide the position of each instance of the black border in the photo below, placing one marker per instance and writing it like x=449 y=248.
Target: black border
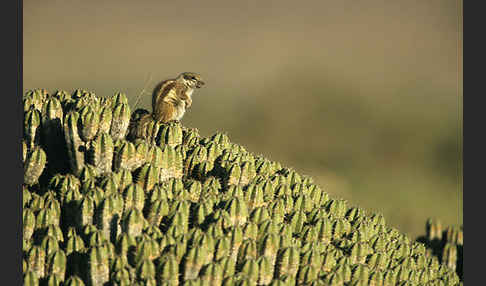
x=12 y=118
x=474 y=203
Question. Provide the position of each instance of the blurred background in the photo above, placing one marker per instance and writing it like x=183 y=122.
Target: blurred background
x=364 y=96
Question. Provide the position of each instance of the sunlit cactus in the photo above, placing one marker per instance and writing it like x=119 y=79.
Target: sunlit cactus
x=449 y=255
x=74 y=281
x=328 y=262
x=250 y=269
x=133 y=197
x=120 y=121
x=52 y=117
x=53 y=280
x=147 y=249
x=31 y=278
x=170 y=134
x=49 y=244
x=238 y=211
x=133 y=222
x=32 y=127
x=307 y=274
x=157 y=211
x=34 y=165
x=56 y=264
x=359 y=252
x=36 y=260
x=98 y=268
x=247 y=250
x=89 y=123
x=101 y=153
x=265 y=273
x=165 y=206
x=222 y=248
x=454 y=235
x=212 y=274
x=74 y=244
x=86 y=211
x=168 y=271
x=107 y=218
x=28 y=223
x=341 y=274
x=105 y=118
x=146 y=271
x=297 y=221
x=233 y=174
x=193 y=262
x=75 y=146
x=34 y=98
x=288 y=261
x=147 y=176
x=360 y=273
x=433 y=229
x=45 y=218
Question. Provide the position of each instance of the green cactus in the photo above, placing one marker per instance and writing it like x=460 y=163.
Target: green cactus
x=266 y=268
x=74 y=244
x=56 y=264
x=307 y=274
x=193 y=262
x=120 y=121
x=238 y=211
x=147 y=177
x=31 y=278
x=171 y=207
x=449 y=255
x=288 y=261
x=89 y=123
x=146 y=270
x=107 y=218
x=28 y=223
x=34 y=165
x=101 y=153
x=133 y=222
x=157 y=211
x=34 y=99
x=98 y=268
x=36 y=259
x=212 y=274
x=250 y=269
x=86 y=211
x=148 y=249
x=74 y=281
x=167 y=271
x=105 y=118
x=32 y=127
x=170 y=134
x=133 y=197
x=75 y=146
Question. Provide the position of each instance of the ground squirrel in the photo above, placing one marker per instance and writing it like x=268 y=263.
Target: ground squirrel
x=171 y=97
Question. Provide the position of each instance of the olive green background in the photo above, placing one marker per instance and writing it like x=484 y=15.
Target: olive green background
x=364 y=96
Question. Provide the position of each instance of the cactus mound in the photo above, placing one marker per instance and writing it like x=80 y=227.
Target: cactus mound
x=103 y=205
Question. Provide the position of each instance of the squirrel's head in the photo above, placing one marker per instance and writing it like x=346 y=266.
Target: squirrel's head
x=190 y=79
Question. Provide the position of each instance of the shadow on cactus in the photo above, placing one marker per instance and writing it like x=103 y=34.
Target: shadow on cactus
x=112 y=197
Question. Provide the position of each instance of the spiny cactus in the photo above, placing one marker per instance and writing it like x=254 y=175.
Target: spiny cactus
x=446 y=244
x=34 y=165
x=161 y=205
x=75 y=146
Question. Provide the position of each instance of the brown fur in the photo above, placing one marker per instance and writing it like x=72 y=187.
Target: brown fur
x=169 y=99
